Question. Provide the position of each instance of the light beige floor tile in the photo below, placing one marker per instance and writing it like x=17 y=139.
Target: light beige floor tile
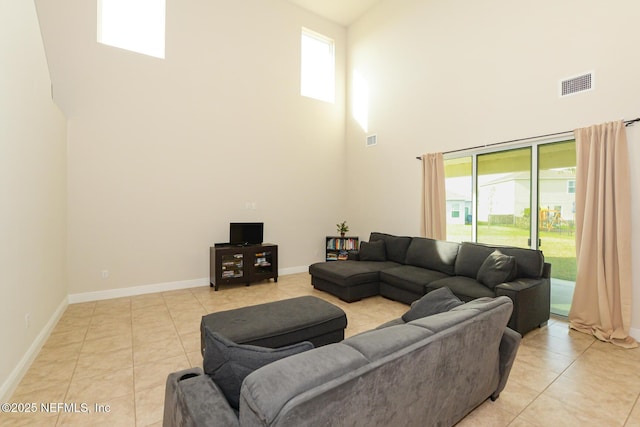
x=531 y=376
x=98 y=389
x=101 y=345
x=111 y=412
x=546 y=411
x=153 y=374
x=590 y=391
x=195 y=359
x=191 y=342
x=21 y=419
x=59 y=352
x=45 y=392
x=150 y=334
x=487 y=415
x=92 y=364
x=634 y=417
x=109 y=329
x=149 y=406
x=544 y=359
x=151 y=351
x=515 y=397
x=44 y=374
x=62 y=337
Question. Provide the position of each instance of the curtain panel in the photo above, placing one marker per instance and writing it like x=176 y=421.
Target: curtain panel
x=601 y=303
x=434 y=205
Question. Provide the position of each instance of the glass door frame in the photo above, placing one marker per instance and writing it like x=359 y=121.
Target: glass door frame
x=534 y=196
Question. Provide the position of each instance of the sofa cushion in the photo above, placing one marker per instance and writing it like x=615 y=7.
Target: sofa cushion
x=497 y=268
x=438 y=301
x=395 y=246
x=266 y=391
x=433 y=254
x=463 y=287
x=350 y=273
x=377 y=343
x=410 y=278
x=529 y=262
x=470 y=258
x=228 y=363
x=373 y=251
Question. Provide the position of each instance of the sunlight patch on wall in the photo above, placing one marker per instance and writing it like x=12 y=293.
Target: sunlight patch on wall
x=135 y=25
x=360 y=103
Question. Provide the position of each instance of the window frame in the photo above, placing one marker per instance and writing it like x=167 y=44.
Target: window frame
x=317 y=75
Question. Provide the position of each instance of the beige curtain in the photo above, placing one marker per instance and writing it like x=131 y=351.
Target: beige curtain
x=602 y=298
x=434 y=207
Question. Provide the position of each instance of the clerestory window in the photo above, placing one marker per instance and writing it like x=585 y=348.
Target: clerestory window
x=317 y=78
x=135 y=25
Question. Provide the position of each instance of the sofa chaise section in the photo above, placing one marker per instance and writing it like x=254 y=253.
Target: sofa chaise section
x=349 y=280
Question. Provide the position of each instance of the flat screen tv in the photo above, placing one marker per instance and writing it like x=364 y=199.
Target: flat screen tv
x=246 y=233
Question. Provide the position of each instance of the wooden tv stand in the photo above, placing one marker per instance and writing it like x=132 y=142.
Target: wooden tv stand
x=231 y=264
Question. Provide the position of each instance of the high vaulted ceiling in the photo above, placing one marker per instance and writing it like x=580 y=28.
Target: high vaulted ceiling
x=343 y=12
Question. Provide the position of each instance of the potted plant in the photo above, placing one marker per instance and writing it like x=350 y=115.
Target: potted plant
x=342 y=228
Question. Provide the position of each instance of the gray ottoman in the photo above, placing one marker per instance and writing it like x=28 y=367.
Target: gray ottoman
x=279 y=323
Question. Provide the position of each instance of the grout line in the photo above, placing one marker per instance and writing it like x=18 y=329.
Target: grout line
x=75 y=365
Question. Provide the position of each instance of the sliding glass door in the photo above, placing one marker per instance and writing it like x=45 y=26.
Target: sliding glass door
x=556 y=223
x=489 y=200
x=504 y=198
x=459 y=189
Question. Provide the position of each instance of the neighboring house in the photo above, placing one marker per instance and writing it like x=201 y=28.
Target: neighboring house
x=459 y=208
x=509 y=195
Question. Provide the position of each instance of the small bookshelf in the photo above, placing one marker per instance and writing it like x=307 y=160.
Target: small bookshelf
x=337 y=247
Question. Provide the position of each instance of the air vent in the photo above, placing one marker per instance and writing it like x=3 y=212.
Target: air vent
x=372 y=140
x=576 y=84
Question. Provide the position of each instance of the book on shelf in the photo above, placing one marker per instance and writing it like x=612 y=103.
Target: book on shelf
x=332 y=256
x=342 y=243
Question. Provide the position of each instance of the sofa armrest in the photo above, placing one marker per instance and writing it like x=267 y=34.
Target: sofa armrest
x=508 y=350
x=531 y=302
x=193 y=399
x=546 y=271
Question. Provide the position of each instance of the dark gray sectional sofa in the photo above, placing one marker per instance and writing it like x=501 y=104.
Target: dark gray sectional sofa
x=430 y=371
x=406 y=268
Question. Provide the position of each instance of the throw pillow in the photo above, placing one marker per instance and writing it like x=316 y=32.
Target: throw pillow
x=228 y=363
x=438 y=301
x=373 y=251
x=497 y=268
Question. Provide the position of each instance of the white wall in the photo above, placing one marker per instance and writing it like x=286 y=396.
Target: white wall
x=451 y=74
x=32 y=194
x=163 y=154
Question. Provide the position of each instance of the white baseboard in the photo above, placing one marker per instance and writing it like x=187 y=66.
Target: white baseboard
x=14 y=378
x=293 y=270
x=136 y=290
x=635 y=333
x=159 y=287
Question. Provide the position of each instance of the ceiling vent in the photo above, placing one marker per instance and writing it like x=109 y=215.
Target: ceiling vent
x=573 y=85
x=372 y=140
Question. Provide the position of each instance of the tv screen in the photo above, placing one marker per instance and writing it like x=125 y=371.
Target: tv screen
x=246 y=233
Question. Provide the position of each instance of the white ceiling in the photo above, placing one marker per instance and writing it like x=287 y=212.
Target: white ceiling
x=343 y=12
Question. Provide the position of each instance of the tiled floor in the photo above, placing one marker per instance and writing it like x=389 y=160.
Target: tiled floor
x=119 y=352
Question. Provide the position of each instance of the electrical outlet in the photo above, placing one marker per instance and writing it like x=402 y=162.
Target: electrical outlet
x=105 y=274
x=27 y=320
